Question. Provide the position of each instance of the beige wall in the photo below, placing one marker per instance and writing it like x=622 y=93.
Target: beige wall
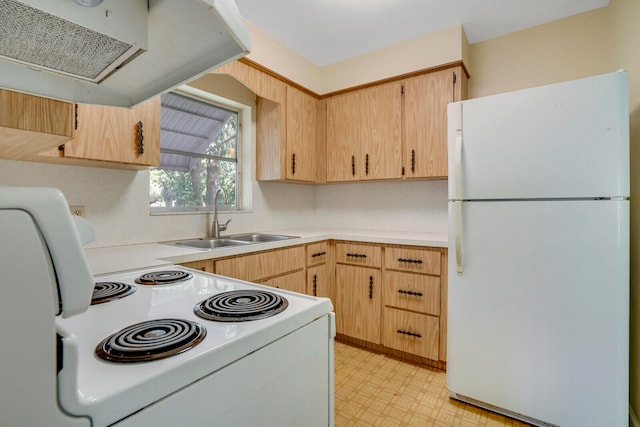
x=567 y=49
x=429 y=50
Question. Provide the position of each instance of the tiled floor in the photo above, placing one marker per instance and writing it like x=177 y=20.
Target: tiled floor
x=372 y=389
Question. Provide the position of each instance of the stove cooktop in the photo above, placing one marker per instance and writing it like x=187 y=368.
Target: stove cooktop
x=94 y=385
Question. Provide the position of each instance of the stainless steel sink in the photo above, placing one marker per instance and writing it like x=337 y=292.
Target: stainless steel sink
x=260 y=238
x=208 y=243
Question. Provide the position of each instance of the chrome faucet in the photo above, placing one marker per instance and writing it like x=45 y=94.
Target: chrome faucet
x=216 y=227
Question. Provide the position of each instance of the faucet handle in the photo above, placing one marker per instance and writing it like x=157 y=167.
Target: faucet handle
x=223 y=227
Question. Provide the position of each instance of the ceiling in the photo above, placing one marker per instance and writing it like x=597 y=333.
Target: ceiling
x=329 y=31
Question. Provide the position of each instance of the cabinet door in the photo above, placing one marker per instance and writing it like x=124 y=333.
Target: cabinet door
x=318 y=283
x=358 y=294
x=31 y=124
x=261 y=265
x=112 y=134
x=380 y=124
x=291 y=282
x=425 y=124
x=204 y=265
x=343 y=142
x=301 y=135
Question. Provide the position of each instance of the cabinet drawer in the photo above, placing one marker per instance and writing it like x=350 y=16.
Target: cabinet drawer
x=415 y=260
x=413 y=333
x=263 y=265
x=413 y=292
x=355 y=254
x=316 y=253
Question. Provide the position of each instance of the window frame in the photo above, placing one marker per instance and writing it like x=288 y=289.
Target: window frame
x=243 y=187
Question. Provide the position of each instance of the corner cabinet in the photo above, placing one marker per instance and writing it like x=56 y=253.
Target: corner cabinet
x=286 y=142
x=31 y=124
x=358 y=291
x=287 y=125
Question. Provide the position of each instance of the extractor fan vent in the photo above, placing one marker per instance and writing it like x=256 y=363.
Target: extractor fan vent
x=40 y=40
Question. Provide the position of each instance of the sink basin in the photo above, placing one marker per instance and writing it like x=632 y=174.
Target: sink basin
x=259 y=238
x=208 y=243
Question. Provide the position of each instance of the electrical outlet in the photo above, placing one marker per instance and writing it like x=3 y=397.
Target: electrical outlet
x=77 y=210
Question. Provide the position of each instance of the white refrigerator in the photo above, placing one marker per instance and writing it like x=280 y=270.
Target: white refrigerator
x=538 y=291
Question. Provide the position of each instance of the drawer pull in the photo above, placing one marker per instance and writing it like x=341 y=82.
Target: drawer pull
x=357 y=255
x=412 y=293
x=411 y=334
x=317 y=254
x=410 y=261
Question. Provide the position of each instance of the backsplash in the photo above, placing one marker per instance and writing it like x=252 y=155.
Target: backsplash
x=116 y=203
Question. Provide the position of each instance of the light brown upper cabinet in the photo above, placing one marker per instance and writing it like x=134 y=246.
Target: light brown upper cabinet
x=31 y=124
x=425 y=121
x=286 y=142
x=364 y=139
x=120 y=135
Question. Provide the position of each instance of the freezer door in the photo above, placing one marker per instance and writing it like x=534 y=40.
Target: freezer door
x=563 y=140
x=538 y=319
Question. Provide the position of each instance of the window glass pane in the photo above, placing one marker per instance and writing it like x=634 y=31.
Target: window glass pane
x=198 y=155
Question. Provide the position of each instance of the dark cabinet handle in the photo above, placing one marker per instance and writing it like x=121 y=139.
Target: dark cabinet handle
x=366 y=165
x=353 y=165
x=408 y=333
x=357 y=255
x=317 y=254
x=76 y=117
x=413 y=160
x=315 y=285
x=293 y=164
x=412 y=293
x=140 y=139
x=370 y=287
x=410 y=261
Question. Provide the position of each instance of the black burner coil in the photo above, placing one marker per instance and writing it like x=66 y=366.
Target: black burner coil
x=109 y=291
x=151 y=340
x=241 y=306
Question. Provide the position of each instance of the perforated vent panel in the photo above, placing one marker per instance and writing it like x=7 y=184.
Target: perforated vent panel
x=44 y=41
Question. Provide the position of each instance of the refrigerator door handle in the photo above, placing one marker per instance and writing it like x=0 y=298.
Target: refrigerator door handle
x=458 y=237
x=458 y=195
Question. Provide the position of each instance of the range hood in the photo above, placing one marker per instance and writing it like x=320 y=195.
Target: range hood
x=119 y=52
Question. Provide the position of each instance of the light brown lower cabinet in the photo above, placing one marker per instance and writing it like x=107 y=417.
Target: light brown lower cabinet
x=411 y=332
x=391 y=297
x=291 y=282
x=359 y=296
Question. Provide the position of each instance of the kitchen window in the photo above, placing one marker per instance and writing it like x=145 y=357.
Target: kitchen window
x=199 y=147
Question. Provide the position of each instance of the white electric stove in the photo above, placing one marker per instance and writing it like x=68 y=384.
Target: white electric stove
x=164 y=346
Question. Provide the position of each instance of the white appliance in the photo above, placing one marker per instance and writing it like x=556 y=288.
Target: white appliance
x=538 y=298
x=116 y=52
x=62 y=365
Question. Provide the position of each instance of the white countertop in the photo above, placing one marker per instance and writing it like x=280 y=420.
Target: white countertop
x=132 y=257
